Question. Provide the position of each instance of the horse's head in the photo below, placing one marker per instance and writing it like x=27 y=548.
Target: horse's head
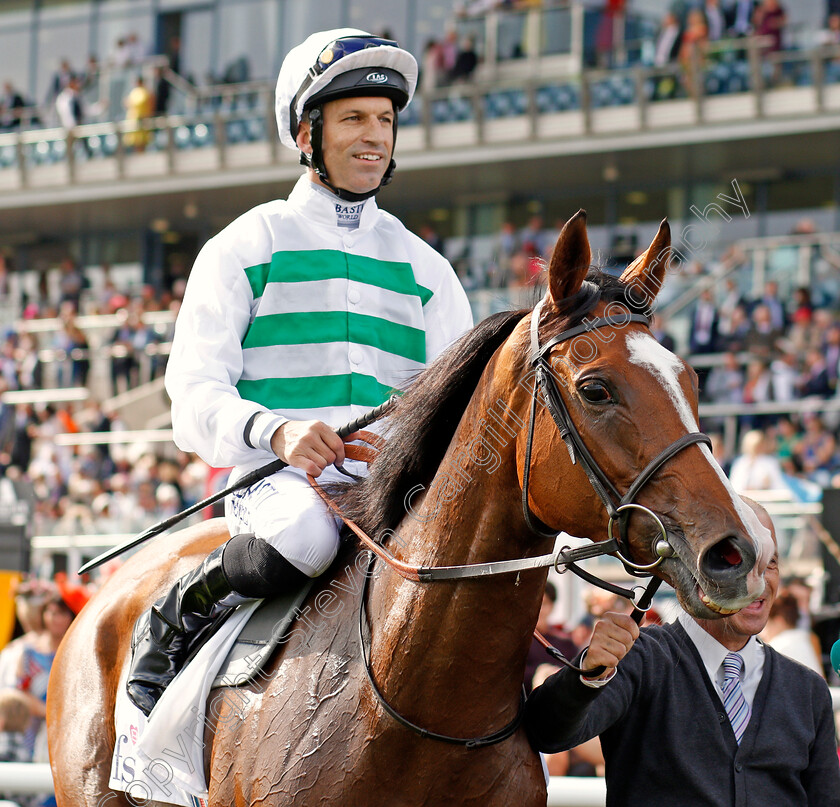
x=630 y=409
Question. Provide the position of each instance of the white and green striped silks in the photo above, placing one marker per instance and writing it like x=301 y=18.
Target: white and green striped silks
x=302 y=326
x=288 y=313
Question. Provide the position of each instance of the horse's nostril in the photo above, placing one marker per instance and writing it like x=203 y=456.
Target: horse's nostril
x=724 y=556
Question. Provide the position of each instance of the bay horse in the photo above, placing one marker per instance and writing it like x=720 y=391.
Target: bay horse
x=447 y=488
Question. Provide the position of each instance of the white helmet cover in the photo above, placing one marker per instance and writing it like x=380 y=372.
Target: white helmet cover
x=300 y=59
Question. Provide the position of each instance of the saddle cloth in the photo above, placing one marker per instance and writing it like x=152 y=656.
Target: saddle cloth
x=161 y=758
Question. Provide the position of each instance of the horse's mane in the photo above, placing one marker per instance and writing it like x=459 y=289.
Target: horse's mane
x=423 y=422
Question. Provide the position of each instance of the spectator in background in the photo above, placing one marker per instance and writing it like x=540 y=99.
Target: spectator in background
x=814 y=381
x=129 y=345
x=755 y=468
x=537 y=656
x=783 y=634
x=431 y=66
x=725 y=382
x=538 y=659
x=136 y=49
x=814 y=451
x=76 y=346
x=34 y=670
x=61 y=78
x=693 y=47
x=14 y=720
x=499 y=273
x=739 y=17
x=162 y=91
x=11 y=107
x=830 y=35
x=784 y=377
x=30 y=596
x=71 y=284
x=770 y=20
x=803 y=307
x=121 y=57
x=532 y=239
x=667 y=46
x=68 y=105
x=660 y=332
x=431 y=237
x=173 y=53
x=729 y=301
x=831 y=354
x=738 y=330
x=770 y=299
x=757 y=390
x=763 y=337
x=465 y=62
x=715 y=19
x=90 y=75
x=139 y=105
x=704 y=324
x=448 y=54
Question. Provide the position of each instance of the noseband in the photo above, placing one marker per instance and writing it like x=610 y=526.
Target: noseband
x=578 y=452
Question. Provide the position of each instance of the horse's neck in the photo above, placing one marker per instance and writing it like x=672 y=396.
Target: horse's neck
x=453 y=653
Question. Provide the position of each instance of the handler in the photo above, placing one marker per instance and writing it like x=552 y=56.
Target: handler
x=698 y=712
x=298 y=317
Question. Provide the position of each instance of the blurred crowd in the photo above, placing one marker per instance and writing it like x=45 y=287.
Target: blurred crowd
x=44 y=612
x=772 y=349
x=97 y=488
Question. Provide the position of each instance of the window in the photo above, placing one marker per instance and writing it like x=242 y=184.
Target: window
x=68 y=40
x=248 y=37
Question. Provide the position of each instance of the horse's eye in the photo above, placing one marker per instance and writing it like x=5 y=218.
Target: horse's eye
x=595 y=392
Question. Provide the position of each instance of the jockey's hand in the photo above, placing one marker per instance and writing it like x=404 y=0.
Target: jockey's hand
x=310 y=445
x=612 y=638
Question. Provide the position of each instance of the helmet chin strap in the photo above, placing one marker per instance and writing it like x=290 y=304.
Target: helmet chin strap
x=315 y=161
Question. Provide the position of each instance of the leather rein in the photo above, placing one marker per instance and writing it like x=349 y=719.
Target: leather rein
x=566 y=557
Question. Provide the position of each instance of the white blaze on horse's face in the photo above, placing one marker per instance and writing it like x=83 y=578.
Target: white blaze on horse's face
x=644 y=351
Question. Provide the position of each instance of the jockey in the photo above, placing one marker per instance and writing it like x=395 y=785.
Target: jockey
x=299 y=314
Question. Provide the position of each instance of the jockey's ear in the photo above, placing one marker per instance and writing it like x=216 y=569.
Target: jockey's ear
x=647 y=272
x=570 y=259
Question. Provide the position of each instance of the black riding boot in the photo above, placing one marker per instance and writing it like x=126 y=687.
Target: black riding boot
x=245 y=568
x=165 y=634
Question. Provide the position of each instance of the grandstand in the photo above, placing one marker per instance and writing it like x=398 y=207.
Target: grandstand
x=735 y=144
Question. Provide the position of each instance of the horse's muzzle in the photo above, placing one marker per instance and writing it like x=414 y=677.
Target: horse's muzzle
x=723 y=569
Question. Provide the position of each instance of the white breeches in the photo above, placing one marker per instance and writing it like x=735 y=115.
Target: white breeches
x=285 y=511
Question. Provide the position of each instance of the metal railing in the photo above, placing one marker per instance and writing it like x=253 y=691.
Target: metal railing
x=641 y=99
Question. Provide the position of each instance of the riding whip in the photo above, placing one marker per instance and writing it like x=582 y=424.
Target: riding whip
x=245 y=482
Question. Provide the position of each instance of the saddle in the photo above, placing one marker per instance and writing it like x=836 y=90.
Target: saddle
x=268 y=626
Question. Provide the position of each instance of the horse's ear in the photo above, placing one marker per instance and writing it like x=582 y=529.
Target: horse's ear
x=647 y=272
x=570 y=259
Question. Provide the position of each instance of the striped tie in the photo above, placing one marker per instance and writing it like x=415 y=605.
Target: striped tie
x=733 y=696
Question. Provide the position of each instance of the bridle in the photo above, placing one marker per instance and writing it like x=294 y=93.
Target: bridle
x=601 y=484
x=565 y=557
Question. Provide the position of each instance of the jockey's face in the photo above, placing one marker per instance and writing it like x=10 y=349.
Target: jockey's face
x=358 y=141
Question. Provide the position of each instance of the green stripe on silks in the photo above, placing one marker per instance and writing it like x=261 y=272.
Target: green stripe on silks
x=313 y=392
x=302 y=266
x=318 y=327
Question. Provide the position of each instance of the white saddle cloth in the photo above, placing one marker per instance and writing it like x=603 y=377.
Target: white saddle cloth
x=161 y=758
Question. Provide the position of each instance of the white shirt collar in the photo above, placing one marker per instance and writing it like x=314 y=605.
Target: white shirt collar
x=320 y=207
x=712 y=653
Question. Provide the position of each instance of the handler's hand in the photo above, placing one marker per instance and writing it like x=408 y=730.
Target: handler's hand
x=612 y=638
x=310 y=445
